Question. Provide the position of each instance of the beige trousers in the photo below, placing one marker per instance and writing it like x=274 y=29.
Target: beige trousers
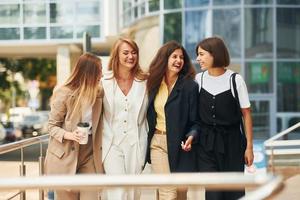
x=85 y=166
x=160 y=165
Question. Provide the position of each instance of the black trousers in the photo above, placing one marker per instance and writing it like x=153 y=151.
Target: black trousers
x=231 y=160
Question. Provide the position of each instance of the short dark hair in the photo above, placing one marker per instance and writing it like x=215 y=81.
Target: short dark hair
x=217 y=48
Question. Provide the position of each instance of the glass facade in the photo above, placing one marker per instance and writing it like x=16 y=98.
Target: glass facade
x=227 y=24
x=263 y=38
x=50 y=19
x=259 y=35
x=195 y=22
x=288 y=31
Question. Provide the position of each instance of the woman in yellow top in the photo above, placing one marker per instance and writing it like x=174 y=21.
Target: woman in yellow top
x=172 y=113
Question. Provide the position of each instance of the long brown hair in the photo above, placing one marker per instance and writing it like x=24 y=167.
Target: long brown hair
x=114 y=61
x=84 y=81
x=159 y=65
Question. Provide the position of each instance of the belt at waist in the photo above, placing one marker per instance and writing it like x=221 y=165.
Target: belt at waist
x=212 y=137
x=160 y=132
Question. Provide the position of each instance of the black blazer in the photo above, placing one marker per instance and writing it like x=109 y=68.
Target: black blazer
x=181 y=121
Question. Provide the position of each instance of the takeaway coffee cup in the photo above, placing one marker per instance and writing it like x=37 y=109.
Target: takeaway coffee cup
x=83 y=128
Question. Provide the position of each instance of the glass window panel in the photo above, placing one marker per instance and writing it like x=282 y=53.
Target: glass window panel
x=126 y=4
x=236 y=67
x=143 y=9
x=286 y=120
x=226 y=2
x=288 y=2
x=196 y=24
x=258 y=1
x=34 y=13
x=61 y=13
x=61 y=32
x=172 y=4
x=227 y=24
x=288 y=32
x=9 y=14
x=172 y=27
x=261 y=119
x=288 y=86
x=88 y=12
x=295 y=134
x=127 y=18
x=9 y=33
x=34 y=33
x=259 y=77
x=259 y=32
x=94 y=31
x=135 y=12
x=153 y=5
x=195 y=3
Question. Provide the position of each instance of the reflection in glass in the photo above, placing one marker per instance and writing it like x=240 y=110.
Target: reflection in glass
x=261 y=119
x=288 y=31
x=227 y=24
x=61 y=13
x=259 y=77
x=135 y=12
x=172 y=27
x=34 y=13
x=288 y=86
x=288 y=2
x=143 y=8
x=127 y=18
x=61 y=32
x=195 y=30
x=34 y=33
x=259 y=32
x=9 y=33
x=153 y=5
x=226 y=2
x=236 y=67
x=9 y=14
x=94 y=31
x=126 y=4
x=258 y=1
x=87 y=12
x=195 y=3
x=172 y=4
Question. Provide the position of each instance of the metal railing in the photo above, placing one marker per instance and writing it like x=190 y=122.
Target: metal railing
x=267 y=184
x=276 y=146
x=20 y=145
x=210 y=181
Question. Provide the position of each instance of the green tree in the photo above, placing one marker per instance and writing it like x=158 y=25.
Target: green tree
x=43 y=70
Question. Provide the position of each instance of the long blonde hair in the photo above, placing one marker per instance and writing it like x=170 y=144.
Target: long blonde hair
x=84 y=81
x=114 y=61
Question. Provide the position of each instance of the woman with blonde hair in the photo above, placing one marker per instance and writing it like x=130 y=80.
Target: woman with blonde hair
x=124 y=123
x=79 y=99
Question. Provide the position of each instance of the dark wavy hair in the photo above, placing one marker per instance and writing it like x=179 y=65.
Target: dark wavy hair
x=159 y=65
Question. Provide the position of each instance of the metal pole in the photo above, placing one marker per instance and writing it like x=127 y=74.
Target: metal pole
x=22 y=173
x=41 y=169
x=272 y=160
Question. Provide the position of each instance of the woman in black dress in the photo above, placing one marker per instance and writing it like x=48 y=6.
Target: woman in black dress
x=224 y=109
